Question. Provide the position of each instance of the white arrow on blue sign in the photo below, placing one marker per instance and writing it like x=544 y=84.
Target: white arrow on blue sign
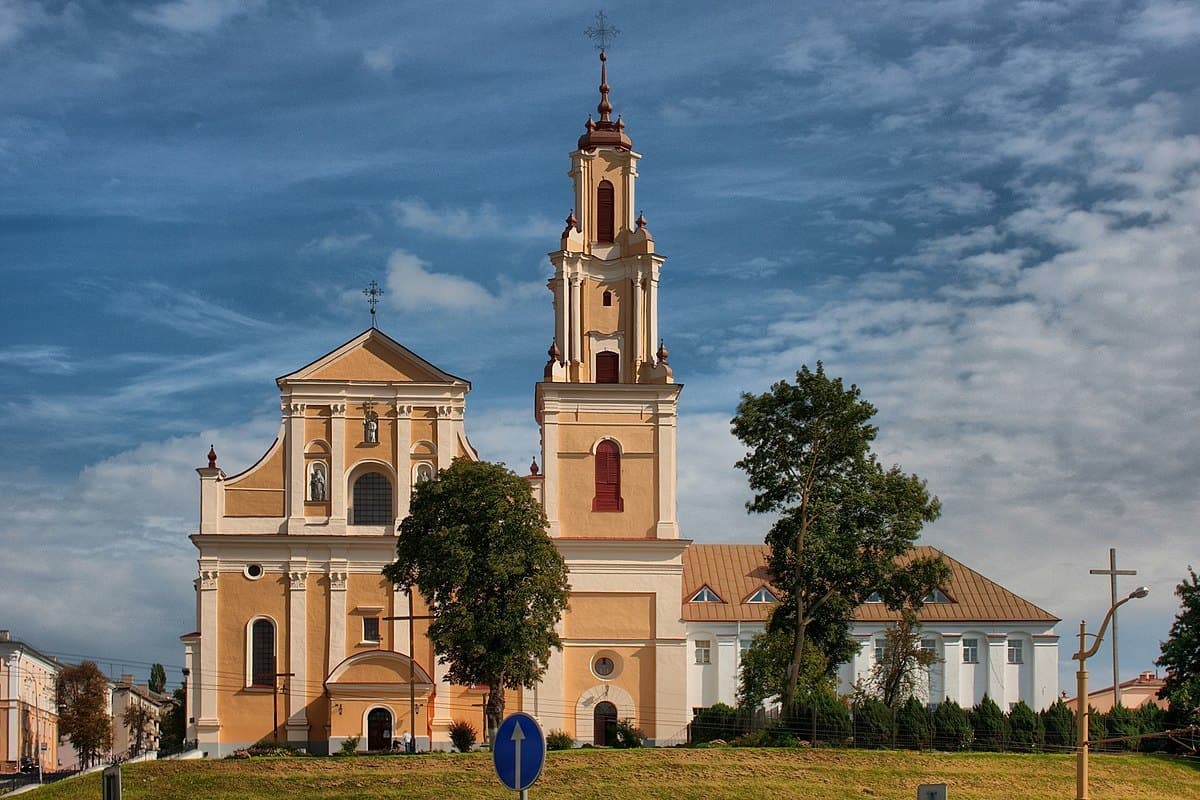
x=519 y=751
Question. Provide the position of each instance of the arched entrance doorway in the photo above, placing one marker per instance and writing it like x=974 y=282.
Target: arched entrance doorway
x=379 y=729
x=604 y=725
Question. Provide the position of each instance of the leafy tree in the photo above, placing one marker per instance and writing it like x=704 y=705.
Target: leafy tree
x=1180 y=653
x=843 y=520
x=989 y=724
x=951 y=727
x=158 y=679
x=629 y=735
x=764 y=667
x=83 y=696
x=897 y=676
x=1025 y=730
x=913 y=726
x=139 y=721
x=172 y=722
x=475 y=544
x=718 y=721
x=1059 y=724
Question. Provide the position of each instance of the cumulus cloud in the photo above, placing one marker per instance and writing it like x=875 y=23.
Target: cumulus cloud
x=467 y=223
x=335 y=243
x=411 y=287
x=196 y=16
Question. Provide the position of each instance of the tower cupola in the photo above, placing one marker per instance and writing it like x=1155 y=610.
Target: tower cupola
x=605 y=132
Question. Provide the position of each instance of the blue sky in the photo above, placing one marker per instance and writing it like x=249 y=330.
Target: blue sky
x=983 y=213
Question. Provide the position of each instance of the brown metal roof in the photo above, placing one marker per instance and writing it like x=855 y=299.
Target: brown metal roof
x=735 y=571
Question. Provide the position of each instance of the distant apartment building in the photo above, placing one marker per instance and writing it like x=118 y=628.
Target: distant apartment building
x=28 y=707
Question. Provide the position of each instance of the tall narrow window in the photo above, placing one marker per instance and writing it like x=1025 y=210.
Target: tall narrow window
x=372 y=500
x=262 y=658
x=606 y=298
x=608 y=478
x=604 y=212
x=608 y=367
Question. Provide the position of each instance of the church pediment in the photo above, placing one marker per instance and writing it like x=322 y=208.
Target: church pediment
x=378 y=669
x=372 y=357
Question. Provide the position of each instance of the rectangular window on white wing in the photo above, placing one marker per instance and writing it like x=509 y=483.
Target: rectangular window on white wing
x=970 y=648
x=881 y=648
x=703 y=651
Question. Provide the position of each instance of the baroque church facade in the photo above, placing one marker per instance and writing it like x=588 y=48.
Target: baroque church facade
x=300 y=637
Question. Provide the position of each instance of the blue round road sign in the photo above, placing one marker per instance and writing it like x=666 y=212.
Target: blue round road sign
x=519 y=751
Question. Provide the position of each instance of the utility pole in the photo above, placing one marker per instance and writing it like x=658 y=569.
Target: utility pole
x=275 y=701
x=1112 y=572
x=412 y=669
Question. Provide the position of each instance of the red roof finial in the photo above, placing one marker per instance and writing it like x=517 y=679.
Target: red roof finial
x=662 y=353
x=641 y=220
x=553 y=351
x=212 y=457
x=572 y=223
x=605 y=108
x=533 y=467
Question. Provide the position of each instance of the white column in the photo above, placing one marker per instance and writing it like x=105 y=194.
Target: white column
x=337 y=463
x=652 y=308
x=550 y=468
x=562 y=305
x=630 y=175
x=727 y=646
x=403 y=462
x=863 y=656
x=14 y=671
x=576 y=319
x=665 y=431
x=207 y=721
x=297 y=723
x=445 y=436
x=400 y=626
x=996 y=666
x=952 y=668
x=638 y=347
x=337 y=613
x=551 y=707
x=295 y=454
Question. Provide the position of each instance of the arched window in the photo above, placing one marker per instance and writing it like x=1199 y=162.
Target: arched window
x=262 y=653
x=608 y=478
x=607 y=297
x=372 y=500
x=608 y=367
x=604 y=212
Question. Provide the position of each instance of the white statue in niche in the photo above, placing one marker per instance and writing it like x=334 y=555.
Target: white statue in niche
x=316 y=483
x=371 y=428
x=424 y=472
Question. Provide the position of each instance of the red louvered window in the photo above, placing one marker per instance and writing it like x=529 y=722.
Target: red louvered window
x=604 y=212
x=608 y=478
x=608 y=367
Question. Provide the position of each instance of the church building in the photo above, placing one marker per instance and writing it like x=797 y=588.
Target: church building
x=299 y=636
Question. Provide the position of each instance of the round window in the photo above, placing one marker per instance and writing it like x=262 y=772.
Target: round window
x=254 y=571
x=603 y=666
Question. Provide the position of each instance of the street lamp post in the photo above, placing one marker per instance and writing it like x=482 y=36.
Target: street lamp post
x=1081 y=703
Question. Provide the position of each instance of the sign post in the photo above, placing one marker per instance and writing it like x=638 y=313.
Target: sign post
x=519 y=752
x=110 y=782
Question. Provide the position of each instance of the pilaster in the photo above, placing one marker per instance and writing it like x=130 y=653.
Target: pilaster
x=576 y=322
x=14 y=688
x=403 y=460
x=297 y=695
x=401 y=607
x=445 y=436
x=295 y=479
x=550 y=468
x=337 y=463
x=207 y=717
x=665 y=431
x=1045 y=671
x=997 y=658
x=337 y=612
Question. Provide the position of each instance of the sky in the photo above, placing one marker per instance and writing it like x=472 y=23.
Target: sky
x=984 y=214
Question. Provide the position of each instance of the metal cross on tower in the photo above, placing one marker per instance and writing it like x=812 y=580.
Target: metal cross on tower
x=373 y=293
x=1112 y=572
x=602 y=33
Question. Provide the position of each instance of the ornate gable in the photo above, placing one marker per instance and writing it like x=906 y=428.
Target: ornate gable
x=372 y=357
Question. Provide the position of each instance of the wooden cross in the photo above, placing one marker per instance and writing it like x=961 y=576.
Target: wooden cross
x=412 y=669
x=1112 y=572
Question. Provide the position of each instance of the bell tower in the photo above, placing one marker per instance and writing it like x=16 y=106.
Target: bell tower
x=607 y=402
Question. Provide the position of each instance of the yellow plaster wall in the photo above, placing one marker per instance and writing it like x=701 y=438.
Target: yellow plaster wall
x=374 y=361
x=266 y=474
x=356 y=449
x=635 y=675
x=610 y=615
x=367 y=590
x=262 y=503
x=4 y=735
x=577 y=487
x=606 y=319
x=317 y=424
x=246 y=713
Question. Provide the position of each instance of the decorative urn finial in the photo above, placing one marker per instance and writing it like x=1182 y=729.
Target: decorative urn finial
x=662 y=353
x=572 y=223
x=533 y=467
x=212 y=457
x=641 y=220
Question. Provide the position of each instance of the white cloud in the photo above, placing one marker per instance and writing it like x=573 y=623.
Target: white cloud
x=464 y=223
x=1171 y=22
x=336 y=243
x=380 y=59
x=196 y=16
x=17 y=18
x=45 y=358
x=412 y=287
x=156 y=303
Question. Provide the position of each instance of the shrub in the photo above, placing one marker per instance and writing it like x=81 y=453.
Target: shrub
x=628 y=734
x=989 y=725
x=913 y=727
x=830 y=715
x=1097 y=728
x=1121 y=721
x=716 y=722
x=951 y=727
x=873 y=724
x=1025 y=731
x=463 y=735
x=350 y=744
x=1152 y=719
x=559 y=739
x=1058 y=722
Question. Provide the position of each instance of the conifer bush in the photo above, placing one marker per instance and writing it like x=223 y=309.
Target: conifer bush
x=1058 y=722
x=1025 y=731
x=873 y=724
x=463 y=735
x=951 y=727
x=989 y=724
x=913 y=727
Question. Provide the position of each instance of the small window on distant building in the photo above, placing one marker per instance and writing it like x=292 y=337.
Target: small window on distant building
x=936 y=596
x=703 y=651
x=881 y=648
x=608 y=367
x=607 y=298
x=705 y=595
x=763 y=595
x=874 y=597
x=1016 y=651
x=929 y=645
x=970 y=648
x=370 y=629
x=604 y=212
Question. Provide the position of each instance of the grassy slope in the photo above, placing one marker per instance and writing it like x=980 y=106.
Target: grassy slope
x=711 y=774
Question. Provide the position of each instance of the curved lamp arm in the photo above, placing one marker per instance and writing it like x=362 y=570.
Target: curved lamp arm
x=1139 y=592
